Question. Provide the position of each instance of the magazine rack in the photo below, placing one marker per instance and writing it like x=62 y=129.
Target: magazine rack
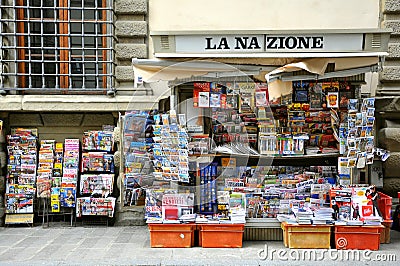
x=47 y=215
x=21 y=174
x=137 y=164
x=94 y=211
x=97 y=178
x=265 y=227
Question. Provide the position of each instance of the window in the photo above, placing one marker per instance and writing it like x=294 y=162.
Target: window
x=58 y=45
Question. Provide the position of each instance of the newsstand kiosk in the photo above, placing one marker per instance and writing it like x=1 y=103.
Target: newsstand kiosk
x=260 y=139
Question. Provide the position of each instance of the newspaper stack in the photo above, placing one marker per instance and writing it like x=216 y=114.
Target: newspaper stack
x=154 y=220
x=355 y=222
x=373 y=220
x=323 y=216
x=303 y=217
x=238 y=215
x=188 y=218
x=201 y=220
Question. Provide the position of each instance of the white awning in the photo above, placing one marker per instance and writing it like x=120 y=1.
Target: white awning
x=317 y=66
x=151 y=70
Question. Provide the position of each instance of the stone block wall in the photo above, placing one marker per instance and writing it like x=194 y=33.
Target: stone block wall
x=3 y=168
x=388 y=99
x=131 y=31
x=390 y=75
x=388 y=137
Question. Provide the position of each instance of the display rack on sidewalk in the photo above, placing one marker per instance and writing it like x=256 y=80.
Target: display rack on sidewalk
x=97 y=177
x=56 y=180
x=48 y=216
x=21 y=176
x=137 y=139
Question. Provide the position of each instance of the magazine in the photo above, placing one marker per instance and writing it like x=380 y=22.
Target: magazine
x=43 y=186
x=176 y=205
x=68 y=194
x=204 y=99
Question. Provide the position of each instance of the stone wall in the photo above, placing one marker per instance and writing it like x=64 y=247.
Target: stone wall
x=3 y=171
x=388 y=99
x=390 y=76
x=388 y=137
x=131 y=31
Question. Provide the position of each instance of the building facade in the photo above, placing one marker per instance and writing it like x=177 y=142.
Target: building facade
x=388 y=93
x=188 y=18
x=66 y=66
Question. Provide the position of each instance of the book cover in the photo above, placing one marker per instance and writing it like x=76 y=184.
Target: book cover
x=28 y=169
x=215 y=100
x=108 y=163
x=300 y=92
x=55 y=201
x=204 y=99
x=332 y=99
x=197 y=88
x=43 y=186
x=262 y=98
x=232 y=101
x=345 y=96
x=96 y=162
x=153 y=203
x=174 y=205
x=68 y=195
x=316 y=100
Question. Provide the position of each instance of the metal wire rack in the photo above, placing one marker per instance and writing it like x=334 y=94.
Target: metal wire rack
x=57 y=45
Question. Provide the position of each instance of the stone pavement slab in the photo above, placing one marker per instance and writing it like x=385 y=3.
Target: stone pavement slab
x=131 y=246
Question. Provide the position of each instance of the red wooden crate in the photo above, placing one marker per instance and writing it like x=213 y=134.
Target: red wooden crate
x=385 y=205
x=358 y=237
x=222 y=235
x=171 y=235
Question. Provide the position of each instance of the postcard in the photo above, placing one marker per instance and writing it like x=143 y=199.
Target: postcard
x=332 y=100
x=204 y=99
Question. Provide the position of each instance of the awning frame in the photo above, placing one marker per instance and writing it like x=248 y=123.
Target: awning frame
x=270 y=55
x=334 y=74
x=151 y=70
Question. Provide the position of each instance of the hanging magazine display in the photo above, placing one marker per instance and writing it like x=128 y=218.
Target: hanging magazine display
x=97 y=175
x=21 y=172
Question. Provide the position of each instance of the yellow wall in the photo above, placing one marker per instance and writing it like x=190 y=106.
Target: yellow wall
x=205 y=15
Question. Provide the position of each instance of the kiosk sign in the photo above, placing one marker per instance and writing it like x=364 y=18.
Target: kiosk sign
x=269 y=43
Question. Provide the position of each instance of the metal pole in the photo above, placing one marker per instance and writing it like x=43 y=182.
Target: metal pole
x=42 y=44
x=56 y=45
x=29 y=45
x=96 y=25
x=83 y=45
x=122 y=157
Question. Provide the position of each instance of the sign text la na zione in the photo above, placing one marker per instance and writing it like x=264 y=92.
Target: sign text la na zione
x=271 y=42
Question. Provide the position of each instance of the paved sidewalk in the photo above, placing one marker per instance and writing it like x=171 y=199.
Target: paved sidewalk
x=131 y=246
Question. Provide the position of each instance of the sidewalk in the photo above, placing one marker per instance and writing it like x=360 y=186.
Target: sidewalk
x=131 y=246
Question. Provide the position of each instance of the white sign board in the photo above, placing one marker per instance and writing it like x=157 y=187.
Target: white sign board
x=269 y=43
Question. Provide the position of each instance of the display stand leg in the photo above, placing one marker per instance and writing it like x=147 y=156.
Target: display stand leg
x=351 y=176
x=47 y=213
x=44 y=211
x=72 y=216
